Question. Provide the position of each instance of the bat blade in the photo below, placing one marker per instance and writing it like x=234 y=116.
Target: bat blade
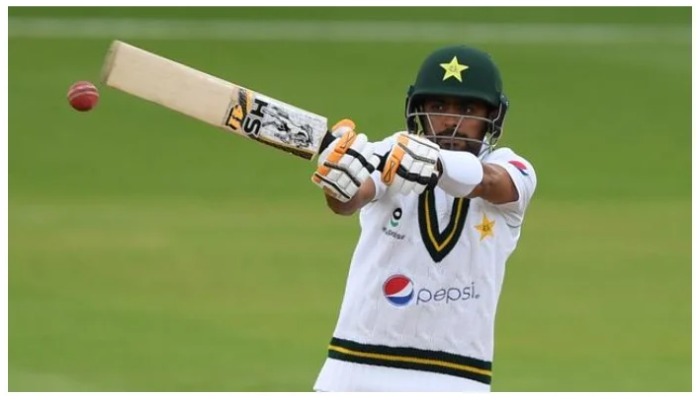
x=214 y=100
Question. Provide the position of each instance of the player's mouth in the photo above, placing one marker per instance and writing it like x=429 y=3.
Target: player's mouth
x=448 y=142
x=452 y=144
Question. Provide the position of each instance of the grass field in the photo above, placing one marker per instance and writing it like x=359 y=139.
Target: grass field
x=149 y=252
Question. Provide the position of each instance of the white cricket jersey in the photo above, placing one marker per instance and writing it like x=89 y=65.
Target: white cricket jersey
x=420 y=302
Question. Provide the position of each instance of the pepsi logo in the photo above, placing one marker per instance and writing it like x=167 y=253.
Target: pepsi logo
x=398 y=290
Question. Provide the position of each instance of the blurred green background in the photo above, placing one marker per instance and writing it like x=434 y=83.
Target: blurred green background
x=149 y=252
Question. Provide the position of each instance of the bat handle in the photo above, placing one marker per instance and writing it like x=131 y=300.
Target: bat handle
x=328 y=138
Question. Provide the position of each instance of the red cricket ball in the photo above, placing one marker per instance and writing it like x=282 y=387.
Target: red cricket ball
x=83 y=96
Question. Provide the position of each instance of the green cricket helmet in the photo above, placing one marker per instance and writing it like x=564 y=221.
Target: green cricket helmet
x=463 y=72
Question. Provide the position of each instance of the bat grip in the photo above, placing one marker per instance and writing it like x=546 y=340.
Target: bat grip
x=328 y=138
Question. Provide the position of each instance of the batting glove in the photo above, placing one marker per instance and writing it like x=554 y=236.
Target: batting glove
x=346 y=163
x=410 y=165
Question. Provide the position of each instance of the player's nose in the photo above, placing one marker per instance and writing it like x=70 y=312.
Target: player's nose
x=450 y=121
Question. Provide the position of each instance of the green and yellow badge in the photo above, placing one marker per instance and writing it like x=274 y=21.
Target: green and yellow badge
x=453 y=69
x=485 y=228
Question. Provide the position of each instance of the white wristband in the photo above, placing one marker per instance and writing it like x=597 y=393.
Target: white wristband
x=461 y=172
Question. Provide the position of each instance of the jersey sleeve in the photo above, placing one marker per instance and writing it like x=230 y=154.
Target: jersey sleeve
x=523 y=175
x=382 y=148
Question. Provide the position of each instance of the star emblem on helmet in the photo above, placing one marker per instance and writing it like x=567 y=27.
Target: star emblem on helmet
x=453 y=69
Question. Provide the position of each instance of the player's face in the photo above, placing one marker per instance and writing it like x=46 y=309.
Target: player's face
x=453 y=119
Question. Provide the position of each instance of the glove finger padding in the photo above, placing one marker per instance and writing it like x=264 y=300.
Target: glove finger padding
x=346 y=163
x=411 y=165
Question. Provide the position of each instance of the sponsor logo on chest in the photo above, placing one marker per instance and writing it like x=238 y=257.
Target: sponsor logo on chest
x=400 y=291
x=390 y=228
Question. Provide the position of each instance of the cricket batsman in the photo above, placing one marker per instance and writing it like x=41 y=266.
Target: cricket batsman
x=441 y=210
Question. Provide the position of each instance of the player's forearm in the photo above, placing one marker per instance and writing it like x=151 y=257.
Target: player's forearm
x=460 y=172
x=496 y=186
x=464 y=175
x=361 y=198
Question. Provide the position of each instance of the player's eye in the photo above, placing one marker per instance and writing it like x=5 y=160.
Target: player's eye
x=467 y=109
x=436 y=107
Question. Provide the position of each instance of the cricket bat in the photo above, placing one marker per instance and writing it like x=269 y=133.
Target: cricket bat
x=215 y=101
